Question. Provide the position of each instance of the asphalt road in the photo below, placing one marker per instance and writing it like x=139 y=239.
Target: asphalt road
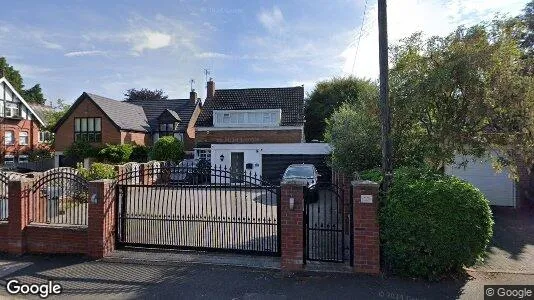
x=82 y=279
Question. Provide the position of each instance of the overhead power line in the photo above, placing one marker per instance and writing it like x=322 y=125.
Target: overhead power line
x=359 y=37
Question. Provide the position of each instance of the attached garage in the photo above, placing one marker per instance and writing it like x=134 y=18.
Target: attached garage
x=270 y=160
x=498 y=187
x=274 y=165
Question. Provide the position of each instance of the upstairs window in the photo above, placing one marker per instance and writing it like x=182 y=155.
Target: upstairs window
x=9 y=137
x=88 y=129
x=12 y=110
x=23 y=138
x=247 y=118
x=45 y=136
x=167 y=129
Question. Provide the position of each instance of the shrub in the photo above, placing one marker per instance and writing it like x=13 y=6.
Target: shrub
x=115 y=154
x=139 y=153
x=433 y=225
x=40 y=153
x=168 y=148
x=81 y=149
x=97 y=171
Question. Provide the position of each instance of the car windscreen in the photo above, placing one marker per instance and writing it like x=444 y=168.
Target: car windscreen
x=299 y=172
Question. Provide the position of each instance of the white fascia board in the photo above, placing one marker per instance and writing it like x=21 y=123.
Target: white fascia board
x=278 y=148
x=248 y=128
x=3 y=79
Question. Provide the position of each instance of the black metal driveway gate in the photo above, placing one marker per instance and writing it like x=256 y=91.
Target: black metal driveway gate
x=187 y=207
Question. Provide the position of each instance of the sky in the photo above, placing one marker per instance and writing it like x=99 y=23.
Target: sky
x=107 y=47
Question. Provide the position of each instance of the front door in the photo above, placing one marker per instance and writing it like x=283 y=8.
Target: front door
x=237 y=166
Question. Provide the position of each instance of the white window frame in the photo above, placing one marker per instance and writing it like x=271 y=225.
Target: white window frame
x=247 y=118
x=203 y=153
x=43 y=138
x=24 y=159
x=12 y=109
x=9 y=159
x=11 y=141
x=26 y=135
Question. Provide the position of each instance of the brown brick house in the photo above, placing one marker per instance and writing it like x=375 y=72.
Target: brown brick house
x=20 y=126
x=102 y=120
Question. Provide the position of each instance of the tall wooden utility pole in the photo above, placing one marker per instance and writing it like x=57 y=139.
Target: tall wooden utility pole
x=385 y=113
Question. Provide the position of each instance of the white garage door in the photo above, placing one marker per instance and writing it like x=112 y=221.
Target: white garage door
x=497 y=187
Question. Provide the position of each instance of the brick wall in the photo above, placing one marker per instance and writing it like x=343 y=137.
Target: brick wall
x=3 y=236
x=86 y=109
x=249 y=136
x=366 y=228
x=56 y=239
x=139 y=138
x=17 y=126
x=292 y=239
x=18 y=236
x=101 y=220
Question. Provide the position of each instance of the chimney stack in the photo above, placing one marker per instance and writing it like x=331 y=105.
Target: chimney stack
x=210 y=88
x=193 y=96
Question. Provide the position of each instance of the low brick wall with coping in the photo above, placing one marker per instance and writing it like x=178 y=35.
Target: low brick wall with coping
x=96 y=239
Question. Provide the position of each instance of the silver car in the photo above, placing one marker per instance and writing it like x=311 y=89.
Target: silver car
x=305 y=175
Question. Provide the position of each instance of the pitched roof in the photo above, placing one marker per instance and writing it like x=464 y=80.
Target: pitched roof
x=125 y=115
x=41 y=110
x=183 y=108
x=289 y=99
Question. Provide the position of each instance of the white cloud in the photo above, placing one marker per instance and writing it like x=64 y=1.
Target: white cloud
x=432 y=17
x=148 y=39
x=85 y=53
x=31 y=71
x=272 y=20
x=212 y=55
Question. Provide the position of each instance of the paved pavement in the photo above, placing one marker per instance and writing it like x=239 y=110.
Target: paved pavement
x=509 y=262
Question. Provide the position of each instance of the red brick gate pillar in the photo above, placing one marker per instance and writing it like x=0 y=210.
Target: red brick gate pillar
x=366 y=228
x=101 y=223
x=292 y=231
x=18 y=214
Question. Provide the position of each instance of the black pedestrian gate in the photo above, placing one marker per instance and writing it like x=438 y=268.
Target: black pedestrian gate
x=189 y=207
x=324 y=228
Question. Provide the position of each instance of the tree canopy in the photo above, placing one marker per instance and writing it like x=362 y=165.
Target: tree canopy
x=329 y=95
x=144 y=94
x=468 y=93
x=31 y=95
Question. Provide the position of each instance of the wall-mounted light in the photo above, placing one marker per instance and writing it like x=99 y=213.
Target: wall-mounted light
x=221 y=157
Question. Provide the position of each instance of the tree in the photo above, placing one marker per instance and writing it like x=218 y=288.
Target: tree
x=12 y=75
x=144 y=94
x=60 y=108
x=168 y=148
x=527 y=39
x=462 y=94
x=34 y=95
x=353 y=131
x=329 y=95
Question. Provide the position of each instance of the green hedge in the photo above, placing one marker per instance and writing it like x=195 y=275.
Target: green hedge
x=97 y=171
x=432 y=225
x=115 y=154
x=168 y=148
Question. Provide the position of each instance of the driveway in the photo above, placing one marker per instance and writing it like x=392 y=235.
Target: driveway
x=512 y=246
